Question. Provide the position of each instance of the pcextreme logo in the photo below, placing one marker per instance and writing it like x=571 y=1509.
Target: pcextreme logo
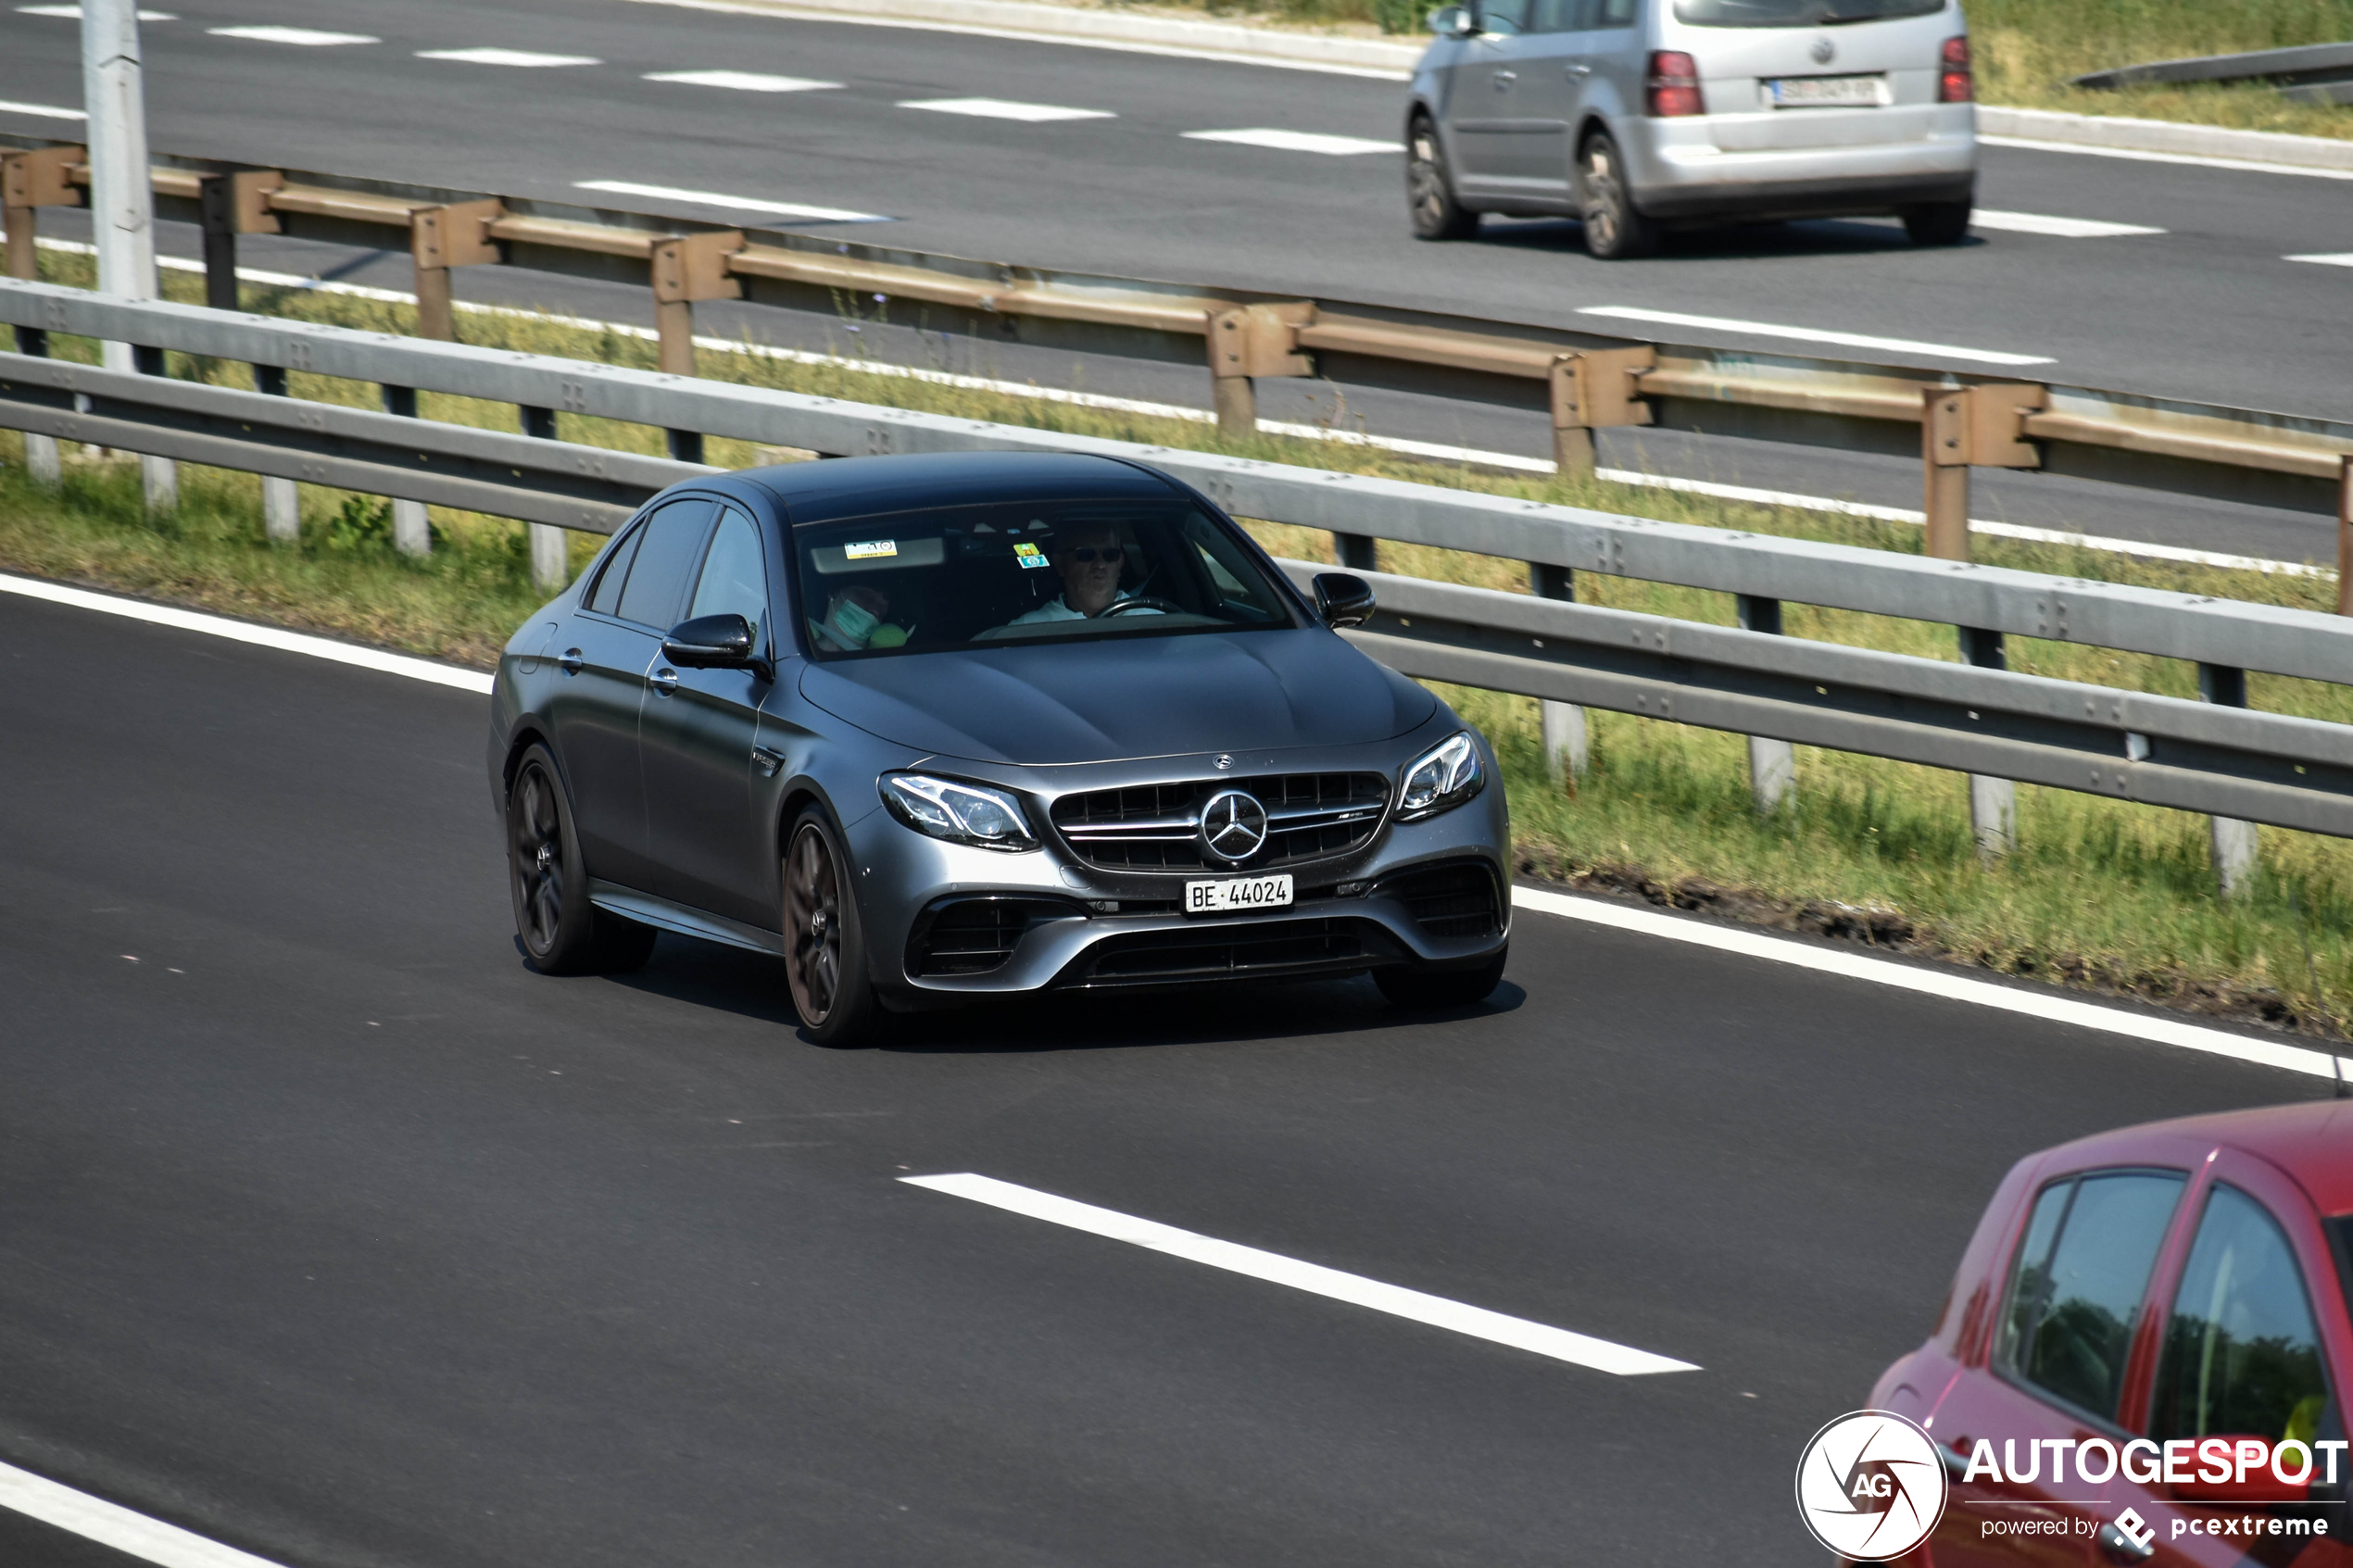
x=1870 y=1486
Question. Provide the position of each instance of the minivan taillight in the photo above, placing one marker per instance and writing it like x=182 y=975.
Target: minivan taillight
x=1674 y=85
x=1952 y=85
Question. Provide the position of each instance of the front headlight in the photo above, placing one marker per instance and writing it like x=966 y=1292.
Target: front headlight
x=1442 y=778
x=962 y=813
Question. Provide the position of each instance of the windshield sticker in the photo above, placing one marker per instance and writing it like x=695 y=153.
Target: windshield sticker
x=1029 y=555
x=873 y=549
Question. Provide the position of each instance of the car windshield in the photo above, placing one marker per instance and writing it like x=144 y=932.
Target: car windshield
x=917 y=581
x=1798 y=13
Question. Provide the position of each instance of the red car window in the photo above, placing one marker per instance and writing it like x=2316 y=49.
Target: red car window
x=2077 y=1287
x=2242 y=1356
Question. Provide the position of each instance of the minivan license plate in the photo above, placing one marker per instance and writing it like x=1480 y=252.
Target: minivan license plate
x=1238 y=895
x=1826 y=92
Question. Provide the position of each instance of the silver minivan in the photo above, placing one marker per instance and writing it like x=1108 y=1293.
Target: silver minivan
x=1638 y=116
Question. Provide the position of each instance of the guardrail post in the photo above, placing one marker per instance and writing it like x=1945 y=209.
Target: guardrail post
x=30 y=181
x=1772 y=764
x=685 y=269
x=1593 y=389
x=1247 y=341
x=411 y=533
x=2234 y=841
x=1566 y=748
x=550 y=560
x=2345 y=535
x=280 y=498
x=40 y=458
x=441 y=238
x=1993 y=803
x=1944 y=453
x=232 y=205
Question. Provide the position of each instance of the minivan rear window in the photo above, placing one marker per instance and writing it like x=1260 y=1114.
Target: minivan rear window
x=1798 y=13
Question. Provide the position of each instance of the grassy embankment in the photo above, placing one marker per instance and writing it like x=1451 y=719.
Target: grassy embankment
x=2112 y=894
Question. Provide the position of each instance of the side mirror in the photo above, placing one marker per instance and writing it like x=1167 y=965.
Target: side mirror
x=1342 y=600
x=1453 y=21
x=713 y=642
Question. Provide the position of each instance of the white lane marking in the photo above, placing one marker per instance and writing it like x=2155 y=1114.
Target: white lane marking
x=1436 y=1311
x=75 y=13
x=308 y=37
x=260 y=636
x=1813 y=334
x=2064 y=228
x=110 y=1525
x=45 y=111
x=2245 y=165
x=526 y=59
x=1116 y=46
x=738 y=203
x=2341 y=258
x=1298 y=142
x=1439 y=450
x=2052 y=1007
x=741 y=80
x=1000 y=109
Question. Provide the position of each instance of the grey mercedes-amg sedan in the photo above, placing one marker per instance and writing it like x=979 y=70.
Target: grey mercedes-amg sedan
x=933 y=729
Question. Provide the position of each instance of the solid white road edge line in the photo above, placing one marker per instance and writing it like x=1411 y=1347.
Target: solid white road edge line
x=260 y=636
x=1813 y=334
x=1541 y=1339
x=2140 y=154
x=110 y=1525
x=2052 y=1007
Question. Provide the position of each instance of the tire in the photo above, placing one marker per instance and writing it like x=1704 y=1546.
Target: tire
x=545 y=873
x=1615 y=231
x=1937 y=223
x=1411 y=985
x=825 y=938
x=1429 y=190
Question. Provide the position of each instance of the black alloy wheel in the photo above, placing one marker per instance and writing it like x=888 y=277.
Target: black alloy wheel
x=824 y=940
x=1937 y=223
x=1429 y=191
x=1615 y=231
x=1411 y=985
x=560 y=930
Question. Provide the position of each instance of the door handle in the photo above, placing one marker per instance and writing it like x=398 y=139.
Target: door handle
x=664 y=682
x=1504 y=80
x=1579 y=69
x=568 y=661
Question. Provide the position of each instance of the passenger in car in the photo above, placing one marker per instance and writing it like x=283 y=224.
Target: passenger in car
x=1090 y=559
x=854 y=621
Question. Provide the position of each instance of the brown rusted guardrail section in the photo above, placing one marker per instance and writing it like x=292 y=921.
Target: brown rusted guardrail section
x=1587 y=382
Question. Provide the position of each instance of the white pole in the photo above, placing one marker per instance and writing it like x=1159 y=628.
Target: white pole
x=121 y=200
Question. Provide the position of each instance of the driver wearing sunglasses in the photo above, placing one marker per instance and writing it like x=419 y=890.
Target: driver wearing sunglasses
x=1090 y=562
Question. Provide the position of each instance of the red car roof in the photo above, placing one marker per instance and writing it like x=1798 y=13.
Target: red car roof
x=2312 y=1142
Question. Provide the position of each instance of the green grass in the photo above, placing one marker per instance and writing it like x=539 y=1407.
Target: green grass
x=2099 y=890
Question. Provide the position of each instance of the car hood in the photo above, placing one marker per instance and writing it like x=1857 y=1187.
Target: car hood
x=1123 y=698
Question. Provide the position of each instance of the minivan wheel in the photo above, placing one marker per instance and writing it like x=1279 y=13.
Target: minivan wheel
x=1937 y=223
x=1614 y=230
x=1429 y=191
x=1410 y=985
x=824 y=940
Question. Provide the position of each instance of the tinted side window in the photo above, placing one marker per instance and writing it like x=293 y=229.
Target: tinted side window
x=1556 y=15
x=606 y=599
x=2078 y=1281
x=2241 y=1356
x=1614 y=13
x=1503 y=15
x=735 y=576
x=657 y=577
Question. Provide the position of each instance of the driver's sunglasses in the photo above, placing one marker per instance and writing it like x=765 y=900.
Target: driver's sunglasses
x=1088 y=553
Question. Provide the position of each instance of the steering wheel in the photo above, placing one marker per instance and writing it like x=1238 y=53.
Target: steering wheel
x=1121 y=607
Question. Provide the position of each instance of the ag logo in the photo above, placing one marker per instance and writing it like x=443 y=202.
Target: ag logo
x=1870 y=1486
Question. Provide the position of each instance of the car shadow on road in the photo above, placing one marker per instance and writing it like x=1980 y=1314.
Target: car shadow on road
x=1731 y=241
x=752 y=985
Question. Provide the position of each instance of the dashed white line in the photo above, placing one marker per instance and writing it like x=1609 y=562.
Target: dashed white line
x=1541 y=1339
x=1297 y=142
x=111 y=1524
x=74 y=12
x=43 y=111
x=2338 y=258
x=2064 y=228
x=1000 y=109
x=308 y=37
x=1813 y=334
x=741 y=80
x=2137 y=154
x=525 y=59
x=737 y=204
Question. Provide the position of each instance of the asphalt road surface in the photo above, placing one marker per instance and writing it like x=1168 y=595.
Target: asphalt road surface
x=331 y=1230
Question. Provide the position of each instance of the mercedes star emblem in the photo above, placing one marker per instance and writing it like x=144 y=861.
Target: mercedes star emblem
x=1233 y=825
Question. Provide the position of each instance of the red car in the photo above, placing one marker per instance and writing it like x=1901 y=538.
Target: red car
x=2167 y=1304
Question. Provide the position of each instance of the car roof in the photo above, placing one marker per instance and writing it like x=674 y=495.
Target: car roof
x=841 y=487
x=2312 y=1142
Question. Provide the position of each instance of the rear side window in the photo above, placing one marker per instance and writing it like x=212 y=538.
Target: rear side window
x=1798 y=13
x=657 y=583
x=606 y=599
x=2076 y=1289
x=2241 y=1358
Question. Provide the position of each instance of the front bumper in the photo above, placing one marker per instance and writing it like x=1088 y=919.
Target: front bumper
x=1079 y=925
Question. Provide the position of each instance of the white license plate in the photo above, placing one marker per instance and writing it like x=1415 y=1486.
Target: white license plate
x=1237 y=895
x=1826 y=92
